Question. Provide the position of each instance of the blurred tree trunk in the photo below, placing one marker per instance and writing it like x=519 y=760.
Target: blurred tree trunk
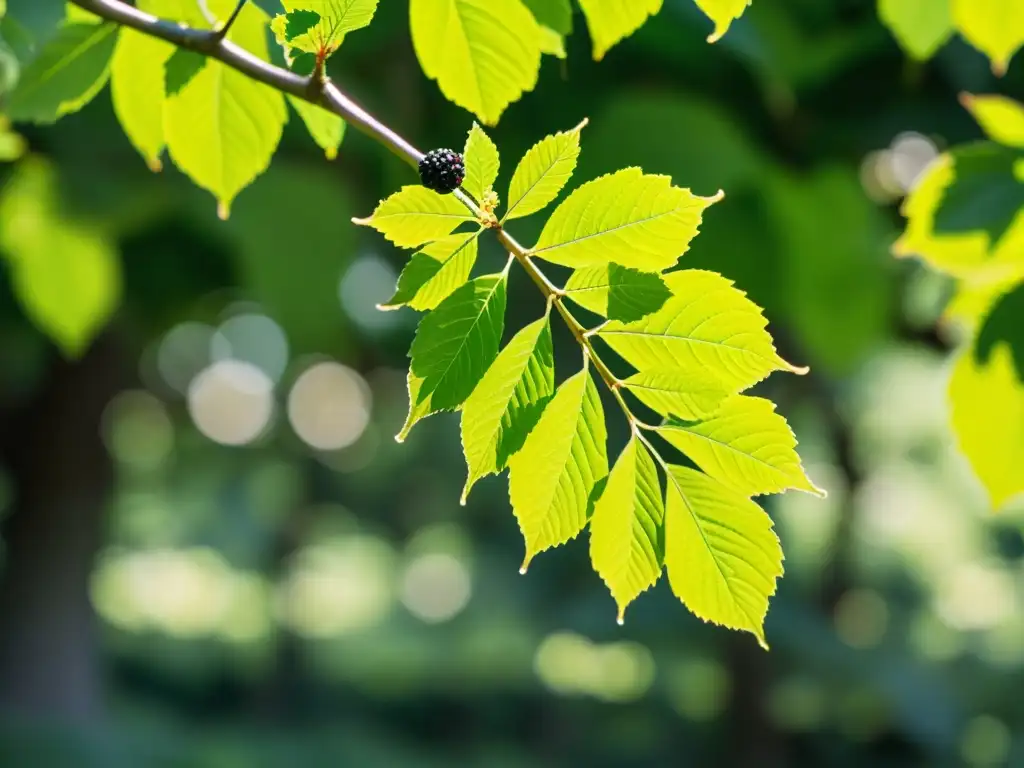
x=62 y=478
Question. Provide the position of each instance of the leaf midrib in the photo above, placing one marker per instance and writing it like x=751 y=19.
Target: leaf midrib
x=94 y=39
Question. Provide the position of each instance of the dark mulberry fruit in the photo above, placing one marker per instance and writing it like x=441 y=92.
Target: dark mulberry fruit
x=442 y=170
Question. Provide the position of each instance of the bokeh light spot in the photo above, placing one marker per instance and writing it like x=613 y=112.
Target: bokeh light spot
x=329 y=406
x=231 y=402
x=436 y=587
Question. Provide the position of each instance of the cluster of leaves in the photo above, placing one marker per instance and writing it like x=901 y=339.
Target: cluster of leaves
x=965 y=218
x=691 y=341
x=994 y=27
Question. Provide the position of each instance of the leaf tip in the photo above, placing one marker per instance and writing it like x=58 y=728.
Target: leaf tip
x=155 y=165
x=362 y=222
x=966 y=99
x=223 y=210
x=583 y=124
x=799 y=370
x=621 y=618
x=526 y=563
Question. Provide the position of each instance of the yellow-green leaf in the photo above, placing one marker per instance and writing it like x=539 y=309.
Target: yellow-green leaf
x=416 y=215
x=482 y=163
x=707 y=324
x=722 y=555
x=746 y=445
x=627 y=544
x=435 y=272
x=723 y=13
x=994 y=27
x=484 y=54
x=507 y=403
x=617 y=292
x=920 y=26
x=695 y=394
x=611 y=21
x=1001 y=118
x=542 y=173
x=628 y=217
x=326 y=128
x=223 y=127
x=337 y=19
x=553 y=476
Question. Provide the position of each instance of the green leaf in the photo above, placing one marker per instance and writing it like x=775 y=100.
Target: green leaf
x=66 y=276
x=552 y=478
x=454 y=346
x=508 y=402
x=1001 y=118
x=695 y=394
x=745 y=445
x=326 y=128
x=987 y=409
x=484 y=54
x=542 y=173
x=223 y=127
x=180 y=69
x=988 y=193
x=627 y=545
x=482 y=163
x=722 y=556
x=12 y=145
x=920 y=26
x=416 y=215
x=554 y=17
x=137 y=87
x=628 y=217
x=65 y=75
x=336 y=18
x=707 y=324
x=723 y=13
x=994 y=27
x=433 y=273
x=613 y=20
x=617 y=292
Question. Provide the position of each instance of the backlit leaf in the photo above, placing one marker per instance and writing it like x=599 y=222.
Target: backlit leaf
x=554 y=17
x=617 y=292
x=433 y=273
x=628 y=217
x=454 y=346
x=416 y=215
x=920 y=26
x=180 y=70
x=482 y=163
x=326 y=128
x=627 y=544
x=707 y=324
x=65 y=75
x=1001 y=118
x=613 y=20
x=722 y=556
x=297 y=28
x=994 y=27
x=552 y=478
x=695 y=394
x=507 y=403
x=746 y=445
x=223 y=127
x=723 y=13
x=543 y=172
x=484 y=54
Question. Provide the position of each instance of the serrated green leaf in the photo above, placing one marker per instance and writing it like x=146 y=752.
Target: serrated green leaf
x=553 y=476
x=508 y=402
x=482 y=163
x=1001 y=118
x=627 y=546
x=65 y=75
x=723 y=13
x=722 y=556
x=181 y=69
x=326 y=128
x=994 y=27
x=920 y=26
x=746 y=445
x=223 y=128
x=433 y=273
x=336 y=19
x=611 y=21
x=542 y=173
x=484 y=54
x=707 y=324
x=628 y=217
x=695 y=394
x=454 y=346
x=416 y=215
x=137 y=87
x=617 y=292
